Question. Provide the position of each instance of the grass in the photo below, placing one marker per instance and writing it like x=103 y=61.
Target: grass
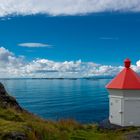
x=35 y=128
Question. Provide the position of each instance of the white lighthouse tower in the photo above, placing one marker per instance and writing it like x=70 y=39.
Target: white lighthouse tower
x=124 y=97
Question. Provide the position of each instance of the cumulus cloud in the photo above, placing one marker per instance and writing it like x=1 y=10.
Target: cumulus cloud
x=65 y=7
x=67 y=69
x=18 y=66
x=9 y=63
x=138 y=63
x=34 y=45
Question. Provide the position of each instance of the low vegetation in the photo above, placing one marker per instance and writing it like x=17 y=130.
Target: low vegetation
x=22 y=125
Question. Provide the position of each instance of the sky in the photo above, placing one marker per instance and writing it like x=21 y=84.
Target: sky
x=68 y=38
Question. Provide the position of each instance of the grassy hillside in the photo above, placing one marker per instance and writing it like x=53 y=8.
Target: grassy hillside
x=18 y=124
x=22 y=125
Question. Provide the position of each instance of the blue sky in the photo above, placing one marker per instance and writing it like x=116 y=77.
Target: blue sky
x=73 y=38
x=105 y=38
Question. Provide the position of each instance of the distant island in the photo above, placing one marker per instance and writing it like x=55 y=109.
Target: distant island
x=61 y=78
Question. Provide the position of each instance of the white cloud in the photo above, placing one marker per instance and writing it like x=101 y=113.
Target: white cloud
x=65 y=7
x=9 y=63
x=69 y=69
x=137 y=66
x=34 y=45
x=17 y=66
x=138 y=63
x=109 y=38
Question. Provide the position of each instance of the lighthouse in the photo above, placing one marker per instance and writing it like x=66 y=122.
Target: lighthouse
x=124 y=97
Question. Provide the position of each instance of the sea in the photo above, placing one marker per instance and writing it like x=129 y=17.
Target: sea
x=85 y=100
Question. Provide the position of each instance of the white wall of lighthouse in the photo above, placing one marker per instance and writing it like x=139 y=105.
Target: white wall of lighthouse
x=124 y=106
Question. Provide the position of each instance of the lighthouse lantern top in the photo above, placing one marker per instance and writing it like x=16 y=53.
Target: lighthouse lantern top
x=126 y=79
x=127 y=63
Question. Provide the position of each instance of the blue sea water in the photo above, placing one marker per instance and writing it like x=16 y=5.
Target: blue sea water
x=83 y=100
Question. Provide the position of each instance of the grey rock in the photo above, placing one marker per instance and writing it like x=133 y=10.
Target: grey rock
x=133 y=135
x=105 y=124
x=14 y=136
x=6 y=100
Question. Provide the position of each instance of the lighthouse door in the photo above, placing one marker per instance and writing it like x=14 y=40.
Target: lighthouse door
x=115 y=111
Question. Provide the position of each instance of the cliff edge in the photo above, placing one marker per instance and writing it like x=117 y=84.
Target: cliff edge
x=6 y=100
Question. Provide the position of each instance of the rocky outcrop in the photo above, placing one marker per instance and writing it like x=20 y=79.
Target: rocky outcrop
x=14 y=136
x=8 y=101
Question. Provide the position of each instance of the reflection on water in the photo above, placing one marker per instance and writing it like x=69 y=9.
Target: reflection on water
x=81 y=99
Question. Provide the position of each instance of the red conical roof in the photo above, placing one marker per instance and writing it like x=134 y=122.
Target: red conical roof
x=126 y=79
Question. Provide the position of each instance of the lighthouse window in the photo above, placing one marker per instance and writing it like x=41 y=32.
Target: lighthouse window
x=111 y=103
x=111 y=116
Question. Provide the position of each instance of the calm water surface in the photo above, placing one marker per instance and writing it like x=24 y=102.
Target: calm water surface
x=83 y=100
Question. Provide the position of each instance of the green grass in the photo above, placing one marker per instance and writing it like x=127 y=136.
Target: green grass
x=36 y=128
